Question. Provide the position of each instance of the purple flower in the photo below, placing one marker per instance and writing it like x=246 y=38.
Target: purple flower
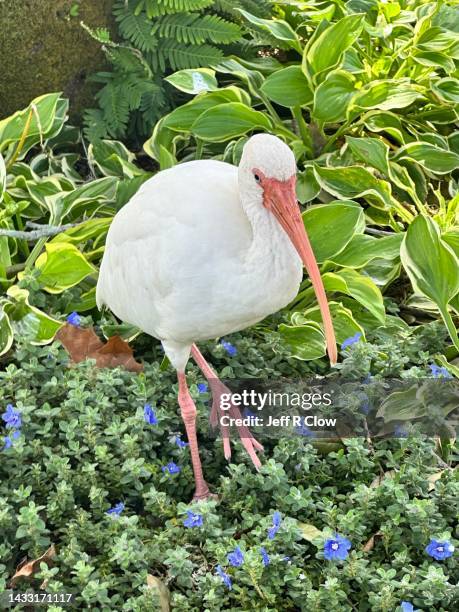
x=439 y=550
x=439 y=372
x=171 y=468
x=74 y=319
x=202 y=387
x=277 y=519
x=229 y=348
x=407 y=606
x=192 y=519
x=12 y=417
x=180 y=443
x=264 y=556
x=350 y=341
x=236 y=558
x=224 y=576
x=149 y=415
x=336 y=548
x=116 y=510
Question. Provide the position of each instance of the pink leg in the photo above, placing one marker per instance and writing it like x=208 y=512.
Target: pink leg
x=248 y=441
x=188 y=410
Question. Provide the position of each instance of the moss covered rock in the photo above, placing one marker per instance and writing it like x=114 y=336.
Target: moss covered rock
x=43 y=48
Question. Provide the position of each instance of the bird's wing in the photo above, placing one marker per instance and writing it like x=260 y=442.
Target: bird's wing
x=180 y=229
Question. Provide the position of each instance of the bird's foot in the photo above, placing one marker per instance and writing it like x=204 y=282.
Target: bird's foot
x=250 y=444
x=203 y=493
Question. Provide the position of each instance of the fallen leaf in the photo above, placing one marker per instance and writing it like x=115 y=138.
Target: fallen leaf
x=371 y=542
x=309 y=532
x=29 y=568
x=84 y=344
x=163 y=592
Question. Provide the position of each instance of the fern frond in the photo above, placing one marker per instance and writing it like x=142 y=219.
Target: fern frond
x=156 y=8
x=260 y=8
x=180 y=56
x=197 y=29
x=139 y=31
x=94 y=124
x=115 y=107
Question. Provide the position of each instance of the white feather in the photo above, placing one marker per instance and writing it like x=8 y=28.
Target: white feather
x=194 y=255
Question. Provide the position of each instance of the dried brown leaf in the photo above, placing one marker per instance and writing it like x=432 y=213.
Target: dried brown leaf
x=163 y=592
x=29 y=568
x=371 y=542
x=84 y=344
x=378 y=480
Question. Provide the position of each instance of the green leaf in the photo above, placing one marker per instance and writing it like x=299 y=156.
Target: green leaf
x=332 y=97
x=381 y=121
x=432 y=266
x=306 y=342
x=360 y=287
x=2 y=178
x=430 y=157
x=344 y=323
x=193 y=81
x=42 y=111
x=288 y=87
x=350 y=182
x=229 y=121
x=326 y=51
x=331 y=227
x=309 y=532
x=182 y=118
x=6 y=332
x=278 y=28
x=372 y=151
x=307 y=188
x=385 y=95
x=62 y=267
x=362 y=249
x=27 y=321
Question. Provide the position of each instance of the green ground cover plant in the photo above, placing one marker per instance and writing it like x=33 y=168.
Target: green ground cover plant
x=109 y=488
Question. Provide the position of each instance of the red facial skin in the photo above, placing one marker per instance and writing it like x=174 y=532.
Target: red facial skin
x=279 y=197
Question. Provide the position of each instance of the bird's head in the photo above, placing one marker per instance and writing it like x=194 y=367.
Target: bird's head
x=269 y=170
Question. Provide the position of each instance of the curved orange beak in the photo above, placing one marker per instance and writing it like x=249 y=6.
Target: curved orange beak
x=280 y=198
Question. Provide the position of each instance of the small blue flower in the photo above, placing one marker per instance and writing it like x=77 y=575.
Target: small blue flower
x=439 y=372
x=171 y=468
x=229 y=348
x=439 y=550
x=12 y=417
x=400 y=431
x=192 y=519
x=365 y=406
x=7 y=443
x=74 y=319
x=336 y=548
x=264 y=556
x=248 y=413
x=236 y=558
x=277 y=519
x=202 y=387
x=304 y=430
x=224 y=576
x=350 y=341
x=149 y=415
x=407 y=606
x=116 y=510
x=180 y=443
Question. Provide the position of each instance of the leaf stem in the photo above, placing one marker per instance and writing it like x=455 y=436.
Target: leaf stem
x=450 y=326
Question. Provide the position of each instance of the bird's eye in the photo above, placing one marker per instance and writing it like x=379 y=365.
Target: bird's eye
x=257 y=177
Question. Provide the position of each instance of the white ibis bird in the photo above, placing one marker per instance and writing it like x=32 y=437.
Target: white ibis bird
x=204 y=249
